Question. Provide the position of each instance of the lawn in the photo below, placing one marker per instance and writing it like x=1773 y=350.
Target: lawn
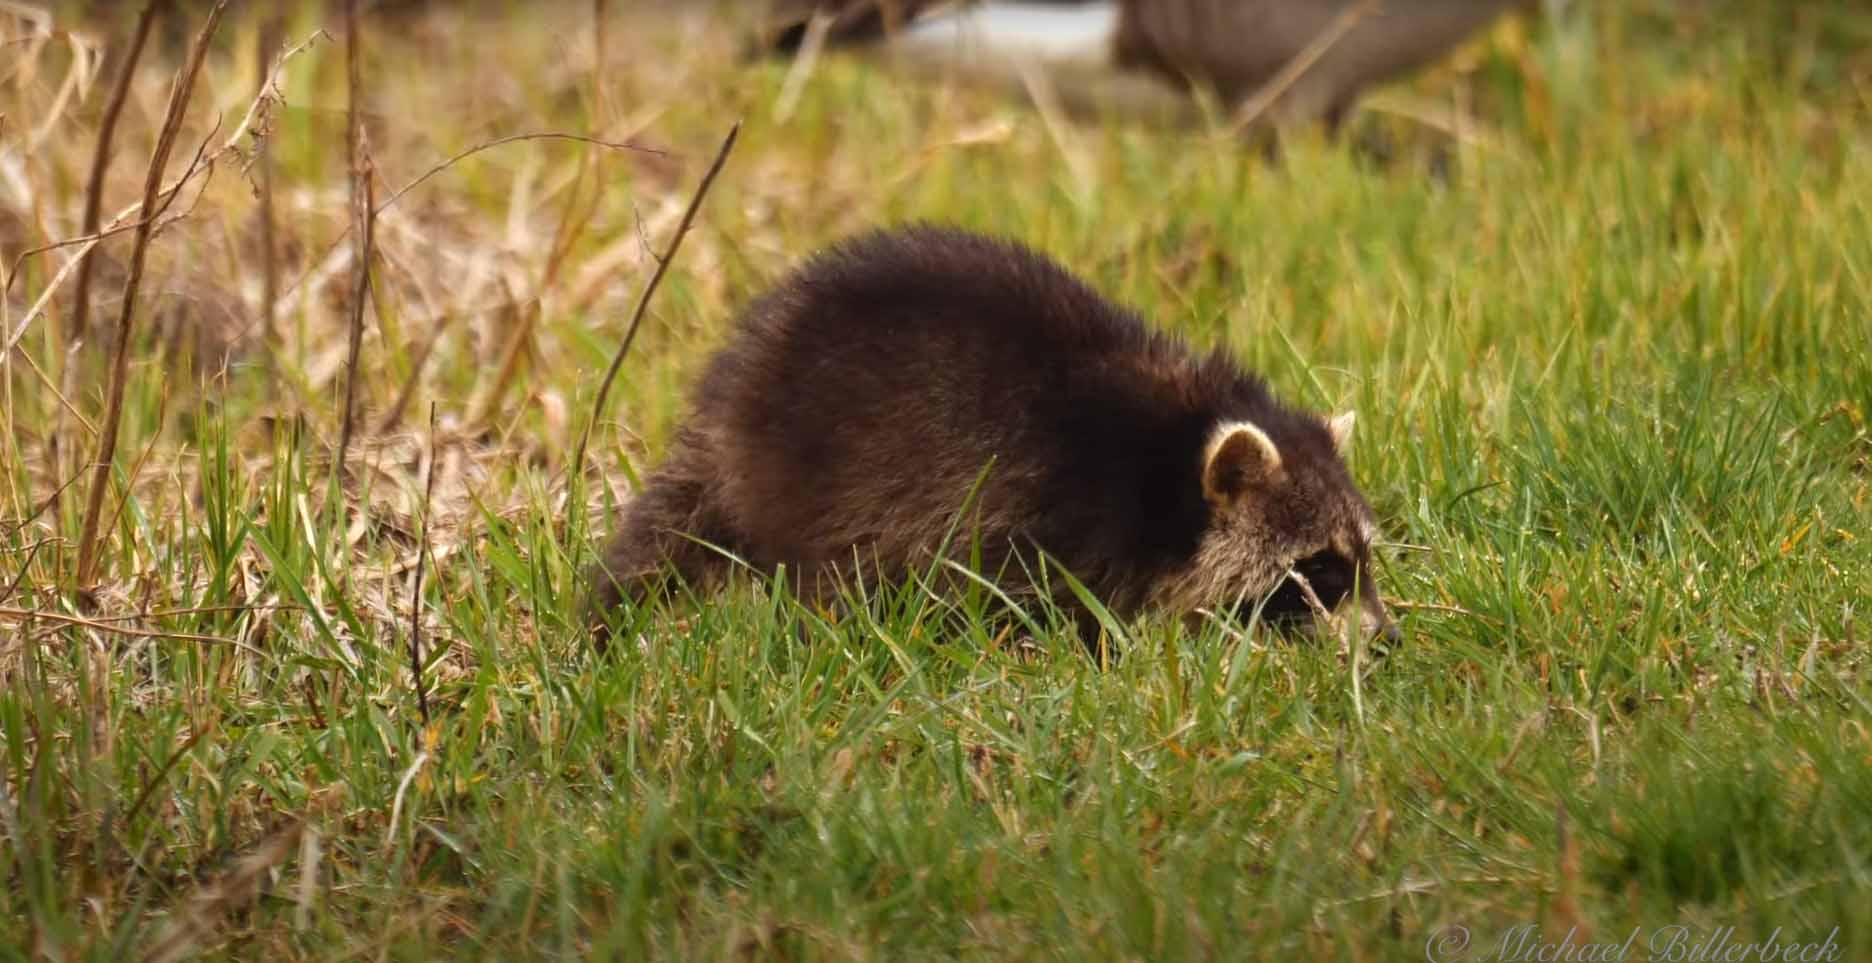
x=1597 y=286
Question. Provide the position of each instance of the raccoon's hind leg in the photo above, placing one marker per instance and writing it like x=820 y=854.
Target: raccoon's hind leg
x=672 y=530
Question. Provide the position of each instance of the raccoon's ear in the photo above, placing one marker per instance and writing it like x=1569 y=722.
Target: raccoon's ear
x=1340 y=426
x=1240 y=457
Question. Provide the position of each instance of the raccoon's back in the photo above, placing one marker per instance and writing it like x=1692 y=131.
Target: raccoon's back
x=862 y=401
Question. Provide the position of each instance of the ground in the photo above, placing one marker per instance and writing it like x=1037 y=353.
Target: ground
x=1597 y=287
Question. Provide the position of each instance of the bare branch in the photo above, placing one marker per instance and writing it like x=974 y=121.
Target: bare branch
x=363 y=220
x=32 y=615
x=397 y=195
x=1291 y=72
x=422 y=550
x=120 y=358
x=643 y=300
x=100 y=159
x=118 y=222
x=511 y=138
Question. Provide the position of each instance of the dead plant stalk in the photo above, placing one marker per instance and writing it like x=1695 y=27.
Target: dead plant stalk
x=363 y=213
x=120 y=357
x=100 y=160
x=422 y=549
x=643 y=300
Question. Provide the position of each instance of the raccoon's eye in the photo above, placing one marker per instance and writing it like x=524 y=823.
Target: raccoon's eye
x=1328 y=572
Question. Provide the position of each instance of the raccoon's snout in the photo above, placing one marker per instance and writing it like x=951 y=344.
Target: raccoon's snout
x=1376 y=623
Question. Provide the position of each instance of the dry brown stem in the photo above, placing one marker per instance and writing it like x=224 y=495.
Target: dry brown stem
x=100 y=160
x=422 y=550
x=119 y=222
x=643 y=300
x=363 y=219
x=107 y=625
x=408 y=392
x=163 y=773
x=600 y=115
x=457 y=158
x=1290 y=73
x=120 y=357
x=263 y=159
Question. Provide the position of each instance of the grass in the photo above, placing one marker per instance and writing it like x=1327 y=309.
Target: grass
x=1611 y=354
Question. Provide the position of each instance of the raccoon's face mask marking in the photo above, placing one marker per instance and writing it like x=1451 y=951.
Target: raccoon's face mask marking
x=1276 y=515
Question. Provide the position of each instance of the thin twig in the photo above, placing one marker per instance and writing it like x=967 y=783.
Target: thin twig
x=422 y=549
x=261 y=109
x=241 y=609
x=26 y=566
x=100 y=159
x=360 y=293
x=50 y=500
x=519 y=345
x=57 y=395
x=118 y=221
x=498 y=141
x=29 y=615
x=600 y=115
x=120 y=358
x=363 y=217
x=1321 y=612
x=397 y=407
x=1312 y=599
x=88 y=241
x=293 y=288
x=643 y=300
x=1290 y=74
x=263 y=158
x=163 y=773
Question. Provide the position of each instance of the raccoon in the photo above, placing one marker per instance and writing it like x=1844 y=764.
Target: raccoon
x=910 y=384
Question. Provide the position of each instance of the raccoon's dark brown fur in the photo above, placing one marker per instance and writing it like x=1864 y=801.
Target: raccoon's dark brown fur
x=859 y=404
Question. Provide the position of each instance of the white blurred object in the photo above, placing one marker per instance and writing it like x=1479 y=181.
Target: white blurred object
x=1058 y=33
x=1065 y=48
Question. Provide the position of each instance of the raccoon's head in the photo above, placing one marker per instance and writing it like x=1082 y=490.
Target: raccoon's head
x=1277 y=511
